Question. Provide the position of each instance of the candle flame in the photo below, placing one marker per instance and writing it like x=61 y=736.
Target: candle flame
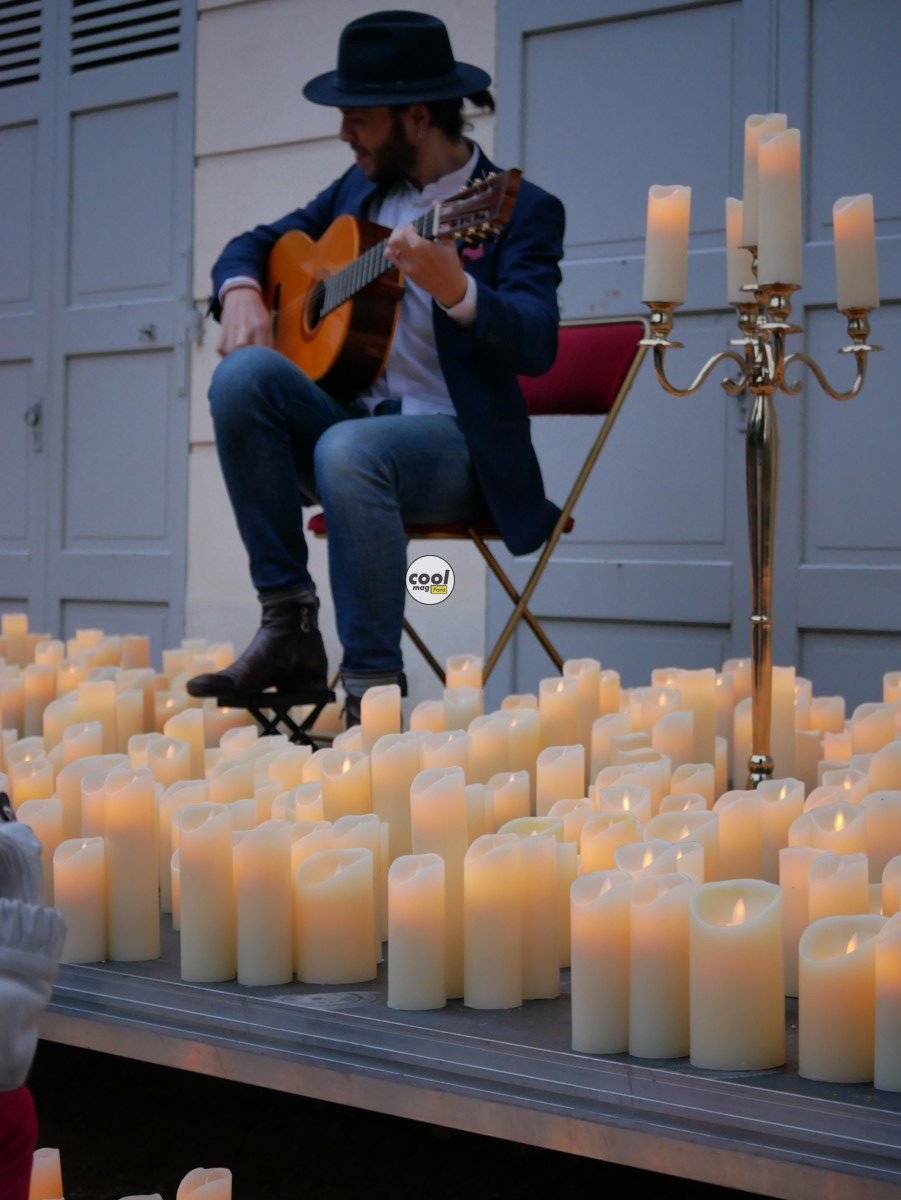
x=739 y=912
x=839 y=821
x=648 y=859
x=684 y=833
x=852 y=944
x=625 y=803
x=605 y=887
x=345 y=766
x=783 y=792
x=561 y=684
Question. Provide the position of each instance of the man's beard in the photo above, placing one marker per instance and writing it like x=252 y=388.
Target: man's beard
x=396 y=157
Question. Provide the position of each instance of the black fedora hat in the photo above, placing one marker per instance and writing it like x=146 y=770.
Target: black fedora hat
x=395 y=58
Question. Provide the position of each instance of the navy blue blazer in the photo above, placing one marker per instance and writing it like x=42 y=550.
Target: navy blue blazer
x=515 y=333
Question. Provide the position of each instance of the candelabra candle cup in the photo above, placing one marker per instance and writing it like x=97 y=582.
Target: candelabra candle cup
x=416 y=932
x=600 y=905
x=837 y=999
x=658 y=966
x=737 y=987
x=887 y=1033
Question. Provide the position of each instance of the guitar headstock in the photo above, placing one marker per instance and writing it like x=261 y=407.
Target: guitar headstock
x=479 y=210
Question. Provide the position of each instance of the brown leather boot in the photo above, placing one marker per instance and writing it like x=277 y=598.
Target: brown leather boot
x=286 y=653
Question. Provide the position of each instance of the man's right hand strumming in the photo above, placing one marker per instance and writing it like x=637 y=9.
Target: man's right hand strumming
x=245 y=320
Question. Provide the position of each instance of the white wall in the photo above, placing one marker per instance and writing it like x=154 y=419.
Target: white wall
x=262 y=150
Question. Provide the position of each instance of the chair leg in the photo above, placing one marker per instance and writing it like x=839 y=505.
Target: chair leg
x=520 y=611
x=424 y=650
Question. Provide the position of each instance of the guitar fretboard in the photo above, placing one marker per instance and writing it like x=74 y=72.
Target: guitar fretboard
x=367 y=268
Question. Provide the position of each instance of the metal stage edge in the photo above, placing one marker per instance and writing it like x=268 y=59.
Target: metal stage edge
x=508 y=1074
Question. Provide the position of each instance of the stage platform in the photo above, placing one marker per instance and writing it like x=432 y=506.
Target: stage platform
x=507 y=1074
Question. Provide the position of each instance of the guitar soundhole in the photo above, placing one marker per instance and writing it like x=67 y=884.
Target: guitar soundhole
x=315 y=304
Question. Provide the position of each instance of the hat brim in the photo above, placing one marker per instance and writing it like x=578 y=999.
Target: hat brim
x=331 y=90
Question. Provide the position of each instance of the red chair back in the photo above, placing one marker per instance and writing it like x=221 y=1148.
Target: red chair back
x=591 y=364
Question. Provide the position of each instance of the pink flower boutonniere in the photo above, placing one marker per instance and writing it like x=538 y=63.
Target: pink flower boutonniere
x=471 y=253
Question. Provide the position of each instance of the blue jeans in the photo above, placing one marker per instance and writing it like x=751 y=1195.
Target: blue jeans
x=283 y=442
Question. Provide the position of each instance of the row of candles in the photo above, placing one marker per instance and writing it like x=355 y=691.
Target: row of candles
x=769 y=218
x=203 y=1183
x=264 y=802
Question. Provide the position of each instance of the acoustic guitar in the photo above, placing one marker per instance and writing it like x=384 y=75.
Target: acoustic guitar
x=334 y=302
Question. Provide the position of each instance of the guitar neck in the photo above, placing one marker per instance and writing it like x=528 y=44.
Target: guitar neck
x=372 y=264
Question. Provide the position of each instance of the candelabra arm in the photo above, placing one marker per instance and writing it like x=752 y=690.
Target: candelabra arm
x=733 y=386
x=860 y=355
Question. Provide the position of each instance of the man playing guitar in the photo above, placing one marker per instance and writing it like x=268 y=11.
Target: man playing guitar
x=439 y=431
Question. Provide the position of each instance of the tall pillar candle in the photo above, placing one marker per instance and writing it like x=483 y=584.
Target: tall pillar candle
x=697 y=826
x=677 y=802
x=173 y=800
x=872 y=727
x=346 y=785
x=558 y=711
x=756 y=125
x=463 y=670
x=79 y=880
x=394 y=764
x=782 y=802
x=887 y=1033
x=882 y=820
x=559 y=775
x=794 y=879
x=779 y=234
x=885 y=768
x=509 y=797
x=379 y=713
x=83 y=740
x=208 y=914
x=427 y=717
x=39 y=688
x=187 y=727
x=449 y=748
x=523 y=741
x=170 y=760
x=133 y=918
x=264 y=895
x=698 y=691
x=666 y=244
x=587 y=674
x=839 y=828
x=461 y=706
x=739 y=273
x=97 y=702
x=335 y=918
x=837 y=885
x=737 y=985
x=46 y=1175
x=837 y=999
x=488 y=748
x=625 y=797
x=45 y=818
x=602 y=835
x=609 y=692
x=740 y=835
x=658 y=971
x=695 y=777
x=14 y=630
x=493 y=934
x=673 y=735
x=599 y=979
x=856 y=282
x=891 y=887
x=439 y=826
x=603 y=731
x=538 y=897
x=365 y=831
x=416 y=932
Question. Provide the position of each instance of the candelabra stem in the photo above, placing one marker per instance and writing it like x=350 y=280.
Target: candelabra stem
x=762 y=462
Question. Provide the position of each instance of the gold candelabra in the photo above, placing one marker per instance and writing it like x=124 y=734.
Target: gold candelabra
x=762 y=362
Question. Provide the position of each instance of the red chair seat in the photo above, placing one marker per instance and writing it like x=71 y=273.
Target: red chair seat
x=485 y=529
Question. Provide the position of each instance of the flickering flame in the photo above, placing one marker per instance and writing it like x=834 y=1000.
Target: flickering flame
x=605 y=887
x=839 y=821
x=626 y=804
x=847 y=783
x=739 y=912
x=648 y=859
x=661 y=700
x=852 y=944
x=345 y=766
x=684 y=833
x=561 y=685
x=783 y=792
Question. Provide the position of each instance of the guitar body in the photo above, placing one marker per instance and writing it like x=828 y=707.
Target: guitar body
x=345 y=350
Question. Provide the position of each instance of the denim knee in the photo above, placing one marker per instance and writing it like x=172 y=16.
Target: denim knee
x=343 y=454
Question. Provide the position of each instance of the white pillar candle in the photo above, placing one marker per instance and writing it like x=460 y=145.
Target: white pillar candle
x=187 y=726
x=755 y=126
x=49 y=652
x=129 y=716
x=79 y=880
x=524 y=741
x=725 y=705
x=737 y=985
x=839 y=828
x=58 y=716
x=782 y=801
x=625 y=797
x=365 y=831
x=673 y=735
x=855 y=784
x=14 y=630
x=39 y=689
x=587 y=674
x=133 y=925
x=695 y=778
x=346 y=785
x=609 y=692
x=463 y=670
x=872 y=727
x=46 y=1175
x=488 y=750
x=885 y=768
x=603 y=731
x=509 y=798
x=891 y=887
x=602 y=835
x=439 y=825
x=559 y=775
x=538 y=899
x=629 y=747
x=394 y=763
x=461 y=706
x=416 y=932
x=695 y=826
x=31 y=779
x=171 y=803
x=208 y=915
x=493 y=931
x=138 y=745
x=837 y=999
x=779 y=234
x=379 y=713
x=263 y=895
x=887 y=1034
x=449 y=748
x=856 y=283
x=648 y=704
x=677 y=802
x=837 y=885
x=882 y=819
x=303 y=803
x=655 y=776
x=97 y=702
x=827 y=713
x=335 y=917
x=206 y=1183
x=427 y=717
x=666 y=244
x=82 y=740
x=794 y=870
x=45 y=818
x=286 y=768
x=309 y=838
x=599 y=980
x=740 y=835
x=12 y=703
x=169 y=760
x=739 y=273
x=653 y=857
x=698 y=692
x=658 y=971
x=558 y=711
x=478 y=805
x=808 y=751
x=573 y=814
x=520 y=700
x=567 y=854
x=68 y=787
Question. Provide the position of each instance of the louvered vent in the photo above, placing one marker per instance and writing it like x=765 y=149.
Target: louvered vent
x=20 y=41
x=117 y=31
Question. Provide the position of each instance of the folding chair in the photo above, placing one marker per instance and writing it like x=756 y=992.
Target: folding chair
x=596 y=362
